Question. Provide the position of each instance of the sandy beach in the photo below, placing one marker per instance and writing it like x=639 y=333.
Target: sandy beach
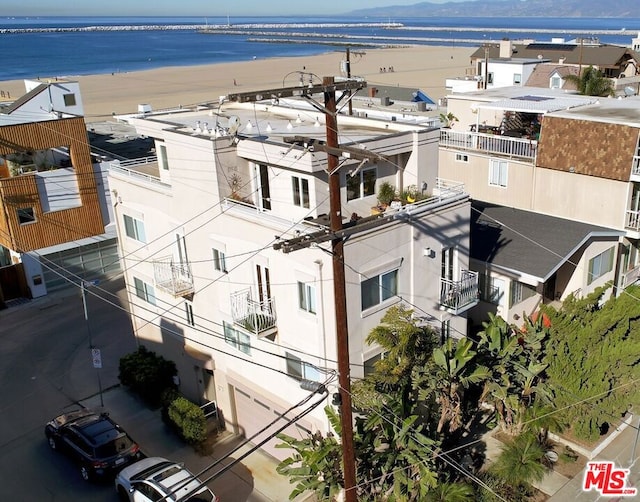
x=424 y=67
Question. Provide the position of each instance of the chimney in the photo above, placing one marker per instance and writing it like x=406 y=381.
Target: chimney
x=505 y=48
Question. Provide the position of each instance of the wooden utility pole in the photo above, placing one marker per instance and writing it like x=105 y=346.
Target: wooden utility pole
x=340 y=295
x=328 y=88
x=349 y=76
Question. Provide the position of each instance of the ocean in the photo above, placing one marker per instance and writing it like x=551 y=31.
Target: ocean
x=67 y=46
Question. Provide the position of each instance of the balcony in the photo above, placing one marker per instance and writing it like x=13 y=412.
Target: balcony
x=253 y=316
x=492 y=144
x=173 y=278
x=459 y=296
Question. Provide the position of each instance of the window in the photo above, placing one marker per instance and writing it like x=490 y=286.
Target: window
x=517 y=78
x=378 y=289
x=462 y=157
x=144 y=291
x=134 y=229
x=301 y=370
x=162 y=157
x=362 y=184
x=69 y=99
x=300 y=191
x=520 y=292
x=491 y=289
x=307 y=297
x=600 y=265
x=490 y=77
x=237 y=339
x=188 y=307
x=556 y=82
x=498 y=173
x=219 y=261
x=26 y=215
x=370 y=364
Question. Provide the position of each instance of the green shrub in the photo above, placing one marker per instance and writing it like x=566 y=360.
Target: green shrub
x=188 y=419
x=147 y=374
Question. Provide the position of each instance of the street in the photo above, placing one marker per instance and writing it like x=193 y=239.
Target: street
x=45 y=367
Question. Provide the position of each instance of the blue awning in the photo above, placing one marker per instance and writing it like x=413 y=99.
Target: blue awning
x=419 y=96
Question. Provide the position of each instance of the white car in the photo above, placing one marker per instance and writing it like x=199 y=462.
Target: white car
x=154 y=478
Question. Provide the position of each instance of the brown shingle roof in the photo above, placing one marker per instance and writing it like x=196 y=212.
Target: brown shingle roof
x=542 y=74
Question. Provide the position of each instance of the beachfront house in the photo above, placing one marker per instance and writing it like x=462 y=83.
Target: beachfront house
x=546 y=64
x=538 y=161
x=245 y=321
x=54 y=209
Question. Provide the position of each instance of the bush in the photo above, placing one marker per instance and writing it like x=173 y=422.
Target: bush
x=147 y=374
x=188 y=419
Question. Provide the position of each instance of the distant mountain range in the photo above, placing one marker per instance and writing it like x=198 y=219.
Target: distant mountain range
x=508 y=8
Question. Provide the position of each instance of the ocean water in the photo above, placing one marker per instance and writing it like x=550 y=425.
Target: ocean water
x=67 y=46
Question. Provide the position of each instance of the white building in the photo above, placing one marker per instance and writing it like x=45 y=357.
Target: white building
x=245 y=322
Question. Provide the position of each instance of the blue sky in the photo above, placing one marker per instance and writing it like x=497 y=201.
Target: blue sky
x=209 y=8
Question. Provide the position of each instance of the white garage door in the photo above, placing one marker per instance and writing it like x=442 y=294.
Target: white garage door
x=254 y=412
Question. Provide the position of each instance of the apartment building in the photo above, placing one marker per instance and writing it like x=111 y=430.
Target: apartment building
x=571 y=158
x=54 y=209
x=246 y=322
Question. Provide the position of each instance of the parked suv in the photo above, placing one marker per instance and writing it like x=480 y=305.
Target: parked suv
x=95 y=442
x=157 y=478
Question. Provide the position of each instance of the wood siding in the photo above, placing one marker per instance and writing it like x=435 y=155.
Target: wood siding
x=592 y=148
x=54 y=227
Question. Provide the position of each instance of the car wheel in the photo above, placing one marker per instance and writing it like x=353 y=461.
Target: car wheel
x=85 y=472
x=122 y=494
x=53 y=443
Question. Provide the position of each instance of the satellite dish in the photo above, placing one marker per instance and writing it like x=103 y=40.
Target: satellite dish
x=234 y=124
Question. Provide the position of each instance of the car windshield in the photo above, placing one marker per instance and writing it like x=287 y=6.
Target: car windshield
x=115 y=447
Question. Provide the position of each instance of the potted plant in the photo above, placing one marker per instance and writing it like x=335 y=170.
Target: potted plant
x=448 y=120
x=386 y=193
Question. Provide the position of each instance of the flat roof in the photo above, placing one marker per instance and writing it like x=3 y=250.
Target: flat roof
x=269 y=121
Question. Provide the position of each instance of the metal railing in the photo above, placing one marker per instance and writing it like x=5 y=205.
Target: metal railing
x=489 y=143
x=253 y=316
x=174 y=278
x=632 y=219
x=459 y=296
x=125 y=168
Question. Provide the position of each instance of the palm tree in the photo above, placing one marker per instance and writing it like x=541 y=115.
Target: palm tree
x=452 y=370
x=521 y=461
x=591 y=83
x=451 y=492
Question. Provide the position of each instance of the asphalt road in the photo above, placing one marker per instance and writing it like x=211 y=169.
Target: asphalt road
x=46 y=367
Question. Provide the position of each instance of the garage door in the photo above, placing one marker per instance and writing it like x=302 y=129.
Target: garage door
x=254 y=412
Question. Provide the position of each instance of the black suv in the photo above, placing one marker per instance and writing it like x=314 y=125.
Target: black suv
x=94 y=441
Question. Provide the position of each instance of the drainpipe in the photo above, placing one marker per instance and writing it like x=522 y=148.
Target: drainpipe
x=320 y=314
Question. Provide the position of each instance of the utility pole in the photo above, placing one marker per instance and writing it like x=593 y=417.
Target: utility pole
x=340 y=296
x=328 y=88
x=349 y=77
x=96 y=356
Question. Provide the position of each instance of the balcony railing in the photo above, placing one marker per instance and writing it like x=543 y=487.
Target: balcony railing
x=632 y=220
x=459 y=296
x=635 y=167
x=174 y=278
x=253 y=316
x=489 y=143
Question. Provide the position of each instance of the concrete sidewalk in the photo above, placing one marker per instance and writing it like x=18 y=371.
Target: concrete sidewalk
x=254 y=479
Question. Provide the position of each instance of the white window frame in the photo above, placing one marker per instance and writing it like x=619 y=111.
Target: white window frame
x=520 y=292
x=219 y=260
x=555 y=82
x=359 y=178
x=517 y=78
x=144 y=291
x=301 y=370
x=238 y=339
x=26 y=215
x=134 y=229
x=307 y=297
x=600 y=265
x=300 y=192
x=498 y=173
x=377 y=283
